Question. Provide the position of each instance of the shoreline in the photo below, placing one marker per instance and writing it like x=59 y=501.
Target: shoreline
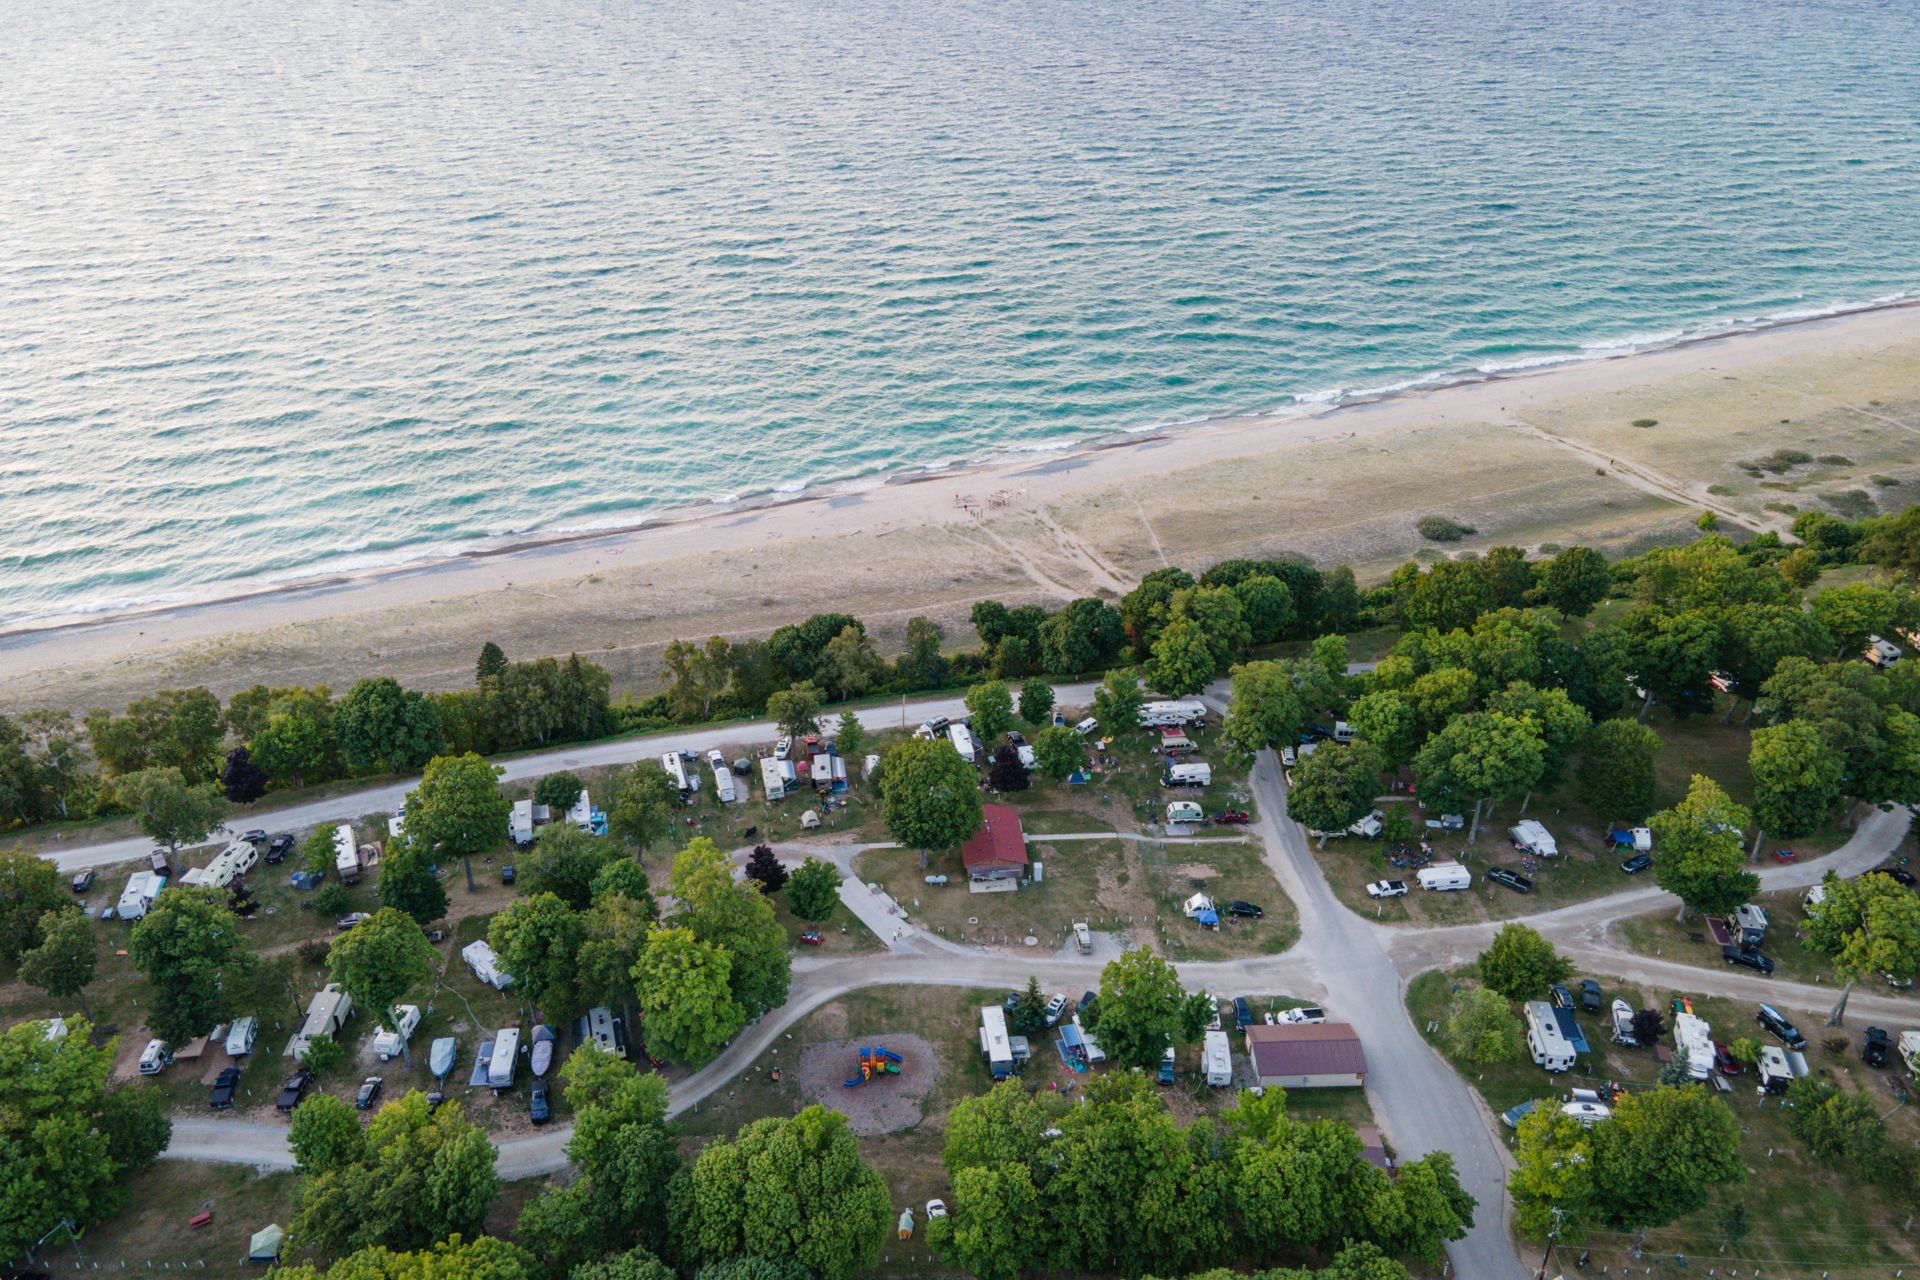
x=27 y=630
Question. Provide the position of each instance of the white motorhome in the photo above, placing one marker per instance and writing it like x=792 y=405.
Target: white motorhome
x=604 y=1032
x=154 y=1058
x=962 y=739
x=677 y=770
x=994 y=1046
x=241 y=1035
x=327 y=1012
x=1775 y=1068
x=486 y=965
x=1094 y=1052
x=1216 y=1055
x=581 y=814
x=506 y=1057
x=1534 y=838
x=722 y=777
x=1695 y=1035
x=1545 y=1041
x=1182 y=712
x=773 y=778
x=1444 y=875
x=520 y=823
x=1191 y=773
x=227 y=866
x=388 y=1044
x=1185 y=811
x=142 y=888
x=346 y=854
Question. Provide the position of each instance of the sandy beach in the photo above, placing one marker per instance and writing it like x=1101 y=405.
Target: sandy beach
x=1538 y=459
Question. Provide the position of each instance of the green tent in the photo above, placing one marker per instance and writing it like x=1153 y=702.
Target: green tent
x=266 y=1242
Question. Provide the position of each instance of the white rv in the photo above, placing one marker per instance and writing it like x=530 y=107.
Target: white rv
x=677 y=770
x=1192 y=773
x=962 y=739
x=722 y=777
x=994 y=1046
x=1185 y=811
x=772 y=778
x=520 y=823
x=346 y=854
x=227 y=866
x=1545 y=1041
x=1534 y=838
x=486 y=965
x=327 y=1012
x=388 y=1044
x=154 y=1058
x=1216 y=1055
x=602 y=1030
x=1094 y=1052
x=506 y=1056
x=1444 y=875
x=1696 y=1037
x=241 y=1035
x=137 y=898
x=1182 y=712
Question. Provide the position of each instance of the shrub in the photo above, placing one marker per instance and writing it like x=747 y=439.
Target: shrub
x=1720 y=490
x=1441 y=529
x=1781 y=460
x=324 y=1055
x=1784 y=508
x=1855 y=504
x=1885 y=482
x=1835 y=460
x=332 y=899
x=1644 y=423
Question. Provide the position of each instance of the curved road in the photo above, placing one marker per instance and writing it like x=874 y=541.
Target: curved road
x=1357 y=965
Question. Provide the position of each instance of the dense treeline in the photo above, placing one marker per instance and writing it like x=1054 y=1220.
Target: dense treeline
x=1699 y=611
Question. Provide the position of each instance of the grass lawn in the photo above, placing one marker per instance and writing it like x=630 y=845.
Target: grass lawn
x=152 y=1232
x=1801 y=1214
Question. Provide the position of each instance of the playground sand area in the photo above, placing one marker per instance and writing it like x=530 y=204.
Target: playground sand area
x=886 y=1104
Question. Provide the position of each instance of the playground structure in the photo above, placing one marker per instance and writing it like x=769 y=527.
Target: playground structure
x=875 y=1061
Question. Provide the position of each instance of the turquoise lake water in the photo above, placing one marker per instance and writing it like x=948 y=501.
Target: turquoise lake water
x=293 y=288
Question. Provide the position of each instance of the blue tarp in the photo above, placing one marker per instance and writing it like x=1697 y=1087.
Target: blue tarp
x=1077 y=779
x=1571 y=1030
x=1211 y=919
x=1073 y=1050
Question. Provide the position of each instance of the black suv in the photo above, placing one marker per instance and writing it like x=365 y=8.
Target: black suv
x=1589 y=995
x=1776 y=1022
x=279 y=847
x=294 y=1089
x=1237 y=908
x=1636 y=864
x=1874 y=1051
x=1747 y=958
x=1512 y=879
x=224 y=1085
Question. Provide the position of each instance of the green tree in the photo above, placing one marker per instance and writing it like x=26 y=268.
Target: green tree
x=325 y=1134
x=1661 y=1157
x=423 y=1173
x=1138 y=1012
x=56 y=752
x=1867 y=925
x=458 y=810
x=1558 y=720
x=734 y=915
x=167 y=809
x=295 y=742
x=172 y=729
x=634 y=1264
x=454 y=1258
x=1386 y=721
x=1182 y=660
x=29 y=889
x=1839 y=1126
x=1084 y=636
x=72 y=1147
x=1267 y=605
x=380 y=725
x=850 y=736
x=616 y=928
x=1673 y=656
x=1858 y=610
x=683 y=987
x=1144 y=610
x=491 y=665
x=1797 y=778
x=813 y=890
x=1575 y=581
x=849 y=666
x=751 y=1268
x=1028 y=1017
x=189 y=947
x=316 y=851
x=382 y=959
x=1058 y=751
x=923 y=665
x=1553 y=1171
x=1334 y=787
x=1117 y=701
x=930 y=797
x=1483 y=757
x=1616 y=774
x=990 y=711
x=1221 y=618
x=996 y=1227
x=63 y=963
x=1036 y=702
x=564 y=861
x=407 y=883
x=795 y=711
x=644 y=798
x=790 y=1187
x=700 y=674
x=1481 y=1028
x=1519 y=963
x=538 y=940
x=1438 y=697
x=559 y=792
x=1266 y=710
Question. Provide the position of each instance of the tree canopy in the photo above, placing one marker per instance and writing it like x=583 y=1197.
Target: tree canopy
x=190 y=949
x=1520 y=964
x=930 y=797
x=1138 y=1012
x=458 y=809
x=421 y=1175
x=381 y=959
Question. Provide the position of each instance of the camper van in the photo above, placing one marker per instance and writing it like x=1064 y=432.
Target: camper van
x=1544 y=1038
x=677 y=770
x=388 y=1044
x=1179 y=713
x=142 y=888
x=486 y=965
x=1533 y=838
x=1185 y=811
x=722 y=777
x=604 y=1031
x=773 y=778
x=1444 y=875
x=346 y=854
x=994 y=1046
x=1193 y=773
x=520 y=823
x=327 y=1012
x=1750 y=922
x=506 y=1056
x=1775 y=1069
x=1175 y=742
x=1694 y=1035
x=1217 y=1057
x=227 y=866
x=962 y=739
x=241 y=1035
x=154 y=1058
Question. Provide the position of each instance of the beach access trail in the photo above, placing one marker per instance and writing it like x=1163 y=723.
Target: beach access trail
x=1357 y=966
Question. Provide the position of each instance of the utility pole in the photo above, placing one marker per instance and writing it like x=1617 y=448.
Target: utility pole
x=1553 y=1235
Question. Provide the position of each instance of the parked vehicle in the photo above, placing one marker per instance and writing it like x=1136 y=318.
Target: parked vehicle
x=1444 y=876
x=294 y=1089
x=1531 y=836
x=241 y=1035
x=368 y=1095
x=1511 y=879
x=1086 y=726
x=1587 y=1113
x=1190 y=773
x=936 y=1209
x=1622 y=1014
x=1589 y=995
x=1783 y=855
x=1230 y=817
x=1545 y=1041
x=1184 y=811
x=1723 y=1060
x=1898 y=874
x=1636 y=864
x=1386 y=888
x=1512 y=1116
x=280 y=846
x=1056 y=1007
x=811 y=937
x=1776 y=1022
x=388 y=1044
x=1247 y=909
x=225 y=1085
x=1306 y=1013
x=82 y=882
x=1747 y=958
x=1635 y=839
x=154 y=1058
x=1874 y=1051
x=1242 y=1012
x=351 y=920
x=537 y=1107
x=1561 y=997
x=1370 y=827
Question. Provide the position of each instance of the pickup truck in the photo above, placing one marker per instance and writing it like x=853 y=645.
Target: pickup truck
x=1386 y=888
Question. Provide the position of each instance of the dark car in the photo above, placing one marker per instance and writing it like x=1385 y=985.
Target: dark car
x=538 y=1105
x=1874 y=1051
x=1776 y=1022
x=82 y=882
x=1315 y=733
x=1899 y=875
x=1589 y=995
x=1242 y=1014
x=224 y=1086
x=1512 y=879
x=369 y=1093
x=1561 y=997
x=1723 y=1060
x=435 y=1101
x=279 y=847
x=294 y=1089
x=507 y=874
x=1229 y=817
x=1248 y=909
x=1636 y=864
x=1747 y=958
x=255 y=837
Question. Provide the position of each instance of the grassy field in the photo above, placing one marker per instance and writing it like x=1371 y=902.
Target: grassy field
x=1803 y=1216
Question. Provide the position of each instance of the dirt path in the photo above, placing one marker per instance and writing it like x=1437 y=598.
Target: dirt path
x=886 y=1103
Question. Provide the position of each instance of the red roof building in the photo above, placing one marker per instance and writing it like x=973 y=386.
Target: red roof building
x=998 y=851
x=1310 y=1056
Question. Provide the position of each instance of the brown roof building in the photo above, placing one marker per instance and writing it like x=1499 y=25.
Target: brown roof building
x=998 y=851
x=1324 y=1055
